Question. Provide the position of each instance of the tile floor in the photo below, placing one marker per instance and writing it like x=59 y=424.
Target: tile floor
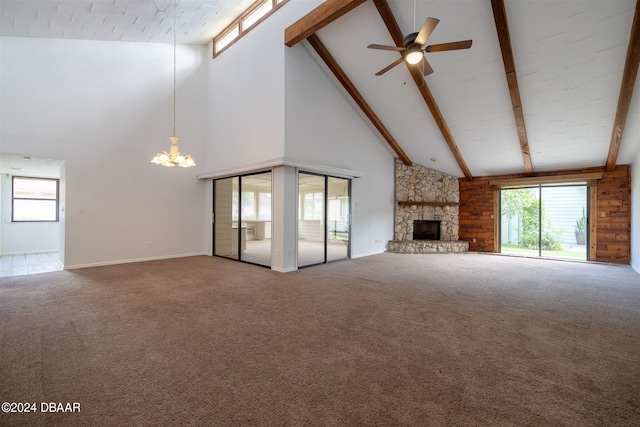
x=19 y=265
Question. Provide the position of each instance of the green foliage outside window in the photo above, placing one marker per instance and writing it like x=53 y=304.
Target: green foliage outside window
x=523 y=202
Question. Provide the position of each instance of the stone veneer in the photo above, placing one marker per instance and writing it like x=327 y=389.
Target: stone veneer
x=427 y=246
x=419 y=184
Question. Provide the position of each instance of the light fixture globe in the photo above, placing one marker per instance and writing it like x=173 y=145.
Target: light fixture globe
x=173 y=157
x=415 y=55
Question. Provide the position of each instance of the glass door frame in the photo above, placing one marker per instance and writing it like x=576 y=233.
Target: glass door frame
x=239 y=236
x=325 y=216
x=539 y=187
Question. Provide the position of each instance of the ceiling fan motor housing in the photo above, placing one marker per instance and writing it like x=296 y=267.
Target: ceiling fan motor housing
x=410 y=39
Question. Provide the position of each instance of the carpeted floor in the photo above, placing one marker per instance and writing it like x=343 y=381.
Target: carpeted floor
x=384 y=340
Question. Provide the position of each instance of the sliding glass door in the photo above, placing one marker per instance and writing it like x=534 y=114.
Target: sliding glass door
x=226 y=240
x=256 y=217
x=549 y=221
x=565 y=214
x=323 y=219
x=338 y=218
x=242 y=218
x=311 y=221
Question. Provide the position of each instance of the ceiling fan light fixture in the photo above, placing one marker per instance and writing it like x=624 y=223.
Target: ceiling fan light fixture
x=414 y=57
x=415 y=46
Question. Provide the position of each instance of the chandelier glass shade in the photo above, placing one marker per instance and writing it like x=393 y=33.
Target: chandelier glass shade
x=173 y=157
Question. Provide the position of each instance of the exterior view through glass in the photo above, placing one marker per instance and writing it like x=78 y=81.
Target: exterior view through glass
x=242 y=218
x=545 y=220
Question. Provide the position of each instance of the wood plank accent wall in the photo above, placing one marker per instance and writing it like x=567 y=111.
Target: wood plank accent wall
x=478 y=215
x=610 y=214
x=613 y=217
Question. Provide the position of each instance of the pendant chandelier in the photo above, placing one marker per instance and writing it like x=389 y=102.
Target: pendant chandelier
x=173 y=157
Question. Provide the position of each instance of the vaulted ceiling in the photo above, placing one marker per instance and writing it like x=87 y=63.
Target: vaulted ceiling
x=546 y=85
x=119 y=20
x=539 y=90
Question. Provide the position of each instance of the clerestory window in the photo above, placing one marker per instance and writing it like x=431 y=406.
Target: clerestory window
x=247 y=20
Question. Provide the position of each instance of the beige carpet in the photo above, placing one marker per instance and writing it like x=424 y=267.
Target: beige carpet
x=384 y=340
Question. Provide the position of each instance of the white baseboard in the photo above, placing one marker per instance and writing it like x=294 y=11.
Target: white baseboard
x=366 y=254
x=283 y=270
x=129 y=261
x=43 y=251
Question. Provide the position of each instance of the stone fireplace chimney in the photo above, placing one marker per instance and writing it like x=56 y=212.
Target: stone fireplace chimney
x=423 y=196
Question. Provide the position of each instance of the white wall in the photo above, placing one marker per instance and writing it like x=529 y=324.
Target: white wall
x=246 y=96
x=268 y=101
x=105 y=108
x=635 y=212
x=322 y=127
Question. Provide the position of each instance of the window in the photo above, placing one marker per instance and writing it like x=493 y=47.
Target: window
x=34 y=199
x=252 y=210
x=313 y=206
x=256 y=14
x=247 y=20
x=248 y=205
x=233 y=34
x=264 y=206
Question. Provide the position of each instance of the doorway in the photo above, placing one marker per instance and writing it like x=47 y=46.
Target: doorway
x=32 y=219
x=545 y=221
x=242 y=218
x=324 y=219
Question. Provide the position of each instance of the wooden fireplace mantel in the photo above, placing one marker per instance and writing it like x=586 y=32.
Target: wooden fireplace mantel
x=414 y=203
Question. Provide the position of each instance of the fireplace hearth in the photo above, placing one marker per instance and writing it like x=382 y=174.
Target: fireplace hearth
x=426 y=230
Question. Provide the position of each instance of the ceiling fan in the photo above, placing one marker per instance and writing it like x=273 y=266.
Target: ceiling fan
x=415 y=46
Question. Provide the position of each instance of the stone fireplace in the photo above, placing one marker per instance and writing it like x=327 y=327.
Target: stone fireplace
x=425 y=196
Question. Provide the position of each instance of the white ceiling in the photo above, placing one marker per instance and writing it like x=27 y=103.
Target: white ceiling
x=198 y=21
x=569 y=57
x=17 y=164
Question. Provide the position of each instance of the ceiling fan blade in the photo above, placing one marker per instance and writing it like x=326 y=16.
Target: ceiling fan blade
x=390 y=66
x=425 y=31
x=425 y=67
x=464 y=44
x=383 y=47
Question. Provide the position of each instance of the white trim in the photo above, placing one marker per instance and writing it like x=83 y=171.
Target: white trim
x=130 y=261
x=367 y=254
x=252 y=167
x=268 y=164
x=40 y=251
x=284 y=270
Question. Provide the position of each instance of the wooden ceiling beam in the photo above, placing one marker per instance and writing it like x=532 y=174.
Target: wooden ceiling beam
x=319 y=17
x=398 y=38
x=626 y=91
x=502 y=27
x=339 y=73
x=585 y=177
